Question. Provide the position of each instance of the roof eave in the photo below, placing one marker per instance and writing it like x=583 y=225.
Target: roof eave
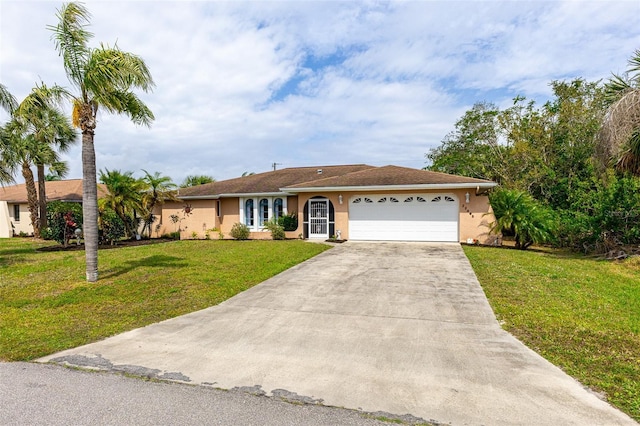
x=235 y=195
x=413 y=187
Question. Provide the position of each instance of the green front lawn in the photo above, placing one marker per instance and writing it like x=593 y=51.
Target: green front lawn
x=581 y=314
x=47 y=306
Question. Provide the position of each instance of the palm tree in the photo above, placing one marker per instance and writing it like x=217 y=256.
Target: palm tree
x=9 y=103
x=52 y=132
x=195 y=180
x=57 y=171
x=620 y=133
x=36 y=126
x=18 y=149
x=103 y=77
x=160 y=189
x=124 y=197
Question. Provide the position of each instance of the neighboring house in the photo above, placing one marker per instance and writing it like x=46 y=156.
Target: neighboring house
x=355 y=202
x=14 y=209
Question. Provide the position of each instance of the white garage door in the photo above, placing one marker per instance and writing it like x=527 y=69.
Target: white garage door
x=418 y=217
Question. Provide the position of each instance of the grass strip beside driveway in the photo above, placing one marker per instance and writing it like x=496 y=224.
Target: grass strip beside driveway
x=47 y=306
x=581 y=314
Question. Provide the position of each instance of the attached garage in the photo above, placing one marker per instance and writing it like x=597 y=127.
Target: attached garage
x=407 y=217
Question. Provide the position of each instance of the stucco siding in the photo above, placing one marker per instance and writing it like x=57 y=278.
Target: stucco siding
x=473 y=219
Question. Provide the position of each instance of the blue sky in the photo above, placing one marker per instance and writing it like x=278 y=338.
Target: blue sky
x=241 y=85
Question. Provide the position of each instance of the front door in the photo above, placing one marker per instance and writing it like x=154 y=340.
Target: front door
x=319 y=219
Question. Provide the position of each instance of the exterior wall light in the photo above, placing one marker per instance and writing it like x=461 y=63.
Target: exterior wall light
x=340 y=198
x=466 y=197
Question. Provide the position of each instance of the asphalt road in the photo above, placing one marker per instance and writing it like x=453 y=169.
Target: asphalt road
x=41 y=394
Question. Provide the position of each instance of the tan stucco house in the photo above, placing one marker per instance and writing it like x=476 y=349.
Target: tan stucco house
x=14 y=209
x=355 y=202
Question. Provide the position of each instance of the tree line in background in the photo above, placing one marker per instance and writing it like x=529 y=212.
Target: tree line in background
x=568 y=170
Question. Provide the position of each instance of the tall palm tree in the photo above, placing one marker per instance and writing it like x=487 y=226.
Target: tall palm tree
x=103 y=77
x=159 y=190
x=124 y=197
x=620 y=133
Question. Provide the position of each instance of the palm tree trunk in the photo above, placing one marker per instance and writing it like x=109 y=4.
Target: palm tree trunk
x=32 y=198
x=90 y=206
x=42 y=196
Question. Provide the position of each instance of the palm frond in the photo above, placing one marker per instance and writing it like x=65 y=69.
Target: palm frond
x=128 y=103
x=634 y=65
x=110 y=69
x=8 y=102
x=71 y=37
x=43 y=96
x=620 y=122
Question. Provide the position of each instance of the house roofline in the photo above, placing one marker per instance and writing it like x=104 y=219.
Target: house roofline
x=237 y=195
x=413 y=187
x=293 y=191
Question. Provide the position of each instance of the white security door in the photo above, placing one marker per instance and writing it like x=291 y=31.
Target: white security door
x=319 y=219
x=413 y=217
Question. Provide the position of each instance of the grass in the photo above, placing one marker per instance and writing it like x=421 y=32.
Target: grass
x=581 y=314
x=47 y=306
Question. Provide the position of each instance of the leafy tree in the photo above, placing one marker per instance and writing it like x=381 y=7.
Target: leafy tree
x=124 y=197
x=103 y=78
x=518 y=214
x=604 y=215
x=158 y=190
x=552 y=146
x=620 y=136
x=543 y=150
x=195 y=180
x=473 y=149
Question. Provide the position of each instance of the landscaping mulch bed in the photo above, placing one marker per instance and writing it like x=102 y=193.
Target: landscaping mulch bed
x=120 y=244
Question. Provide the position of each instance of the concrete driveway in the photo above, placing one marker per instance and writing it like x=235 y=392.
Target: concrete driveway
x=402 y=328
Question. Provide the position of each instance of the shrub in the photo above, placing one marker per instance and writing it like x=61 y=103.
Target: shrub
x=112 y=228
x=240 y=231
x=63 y=219
x=289 y=222
x=517 y=213
x=603 y=216
x=277 y=230
x=171 y=236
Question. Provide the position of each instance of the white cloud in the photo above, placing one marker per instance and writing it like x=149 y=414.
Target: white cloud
x=387 y=82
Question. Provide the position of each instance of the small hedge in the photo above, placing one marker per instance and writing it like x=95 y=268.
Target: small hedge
x=240 y=231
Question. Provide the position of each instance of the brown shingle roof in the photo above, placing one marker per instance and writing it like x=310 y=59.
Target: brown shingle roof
x=269 y=182
x=62 y=190
x=390 y=176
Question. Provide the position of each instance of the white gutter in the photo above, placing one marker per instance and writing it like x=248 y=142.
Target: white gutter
x=413 y=187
